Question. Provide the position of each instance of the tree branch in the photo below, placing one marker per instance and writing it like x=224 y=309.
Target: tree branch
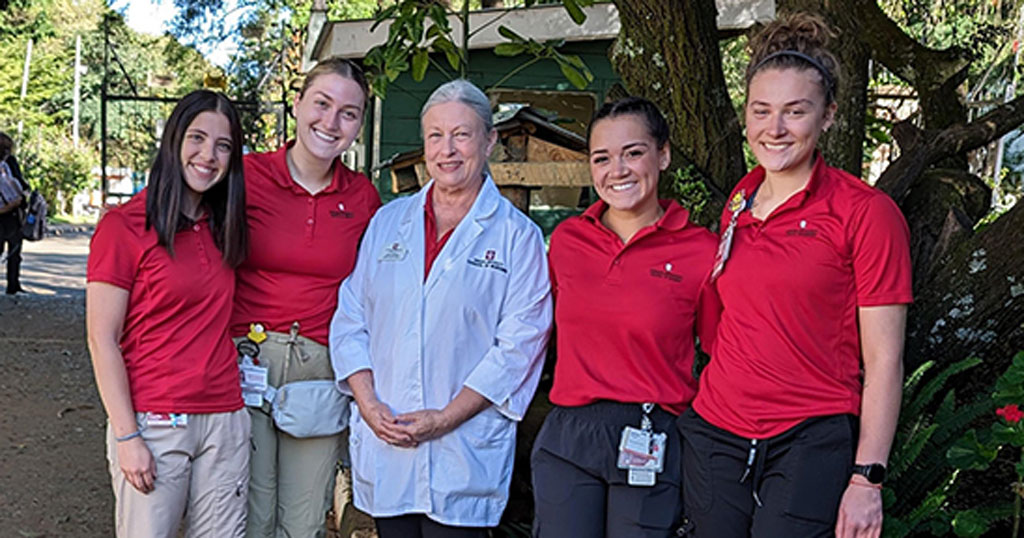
x=954 y=140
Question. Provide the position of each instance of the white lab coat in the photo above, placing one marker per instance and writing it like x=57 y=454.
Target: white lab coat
x=480 y=320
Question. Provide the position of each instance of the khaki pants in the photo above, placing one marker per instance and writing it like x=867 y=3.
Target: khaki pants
x=291 y=480
x=202 y=476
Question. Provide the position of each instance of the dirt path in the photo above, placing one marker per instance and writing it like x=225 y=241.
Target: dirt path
x=53 y=476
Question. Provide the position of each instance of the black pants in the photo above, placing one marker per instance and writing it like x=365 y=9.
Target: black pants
x=10 y=241
x=578 y=489
x=792 y=487
x=421 y=526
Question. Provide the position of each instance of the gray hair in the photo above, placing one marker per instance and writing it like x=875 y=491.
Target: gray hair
x=465 y=92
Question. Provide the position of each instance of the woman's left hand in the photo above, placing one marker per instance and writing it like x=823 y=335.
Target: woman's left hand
x=424 y=425
x=860 y=513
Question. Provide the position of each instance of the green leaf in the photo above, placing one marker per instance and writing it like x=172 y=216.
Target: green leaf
x=1005 y=434
x=970 y=524
x=383 y=16
x=420 y=61
x=509 y=49
x=575 y=77
x=510 y=34
x=969 y=453
x=575 y=11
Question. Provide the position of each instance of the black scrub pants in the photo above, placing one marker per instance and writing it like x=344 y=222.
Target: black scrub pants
x=421 y=526
x=10 y=241
x=792 y=486
x=578 y=489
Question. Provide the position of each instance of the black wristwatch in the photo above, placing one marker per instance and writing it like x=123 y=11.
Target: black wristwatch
x=874 y=472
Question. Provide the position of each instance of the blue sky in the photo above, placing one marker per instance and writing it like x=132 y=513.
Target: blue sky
x=153 y=16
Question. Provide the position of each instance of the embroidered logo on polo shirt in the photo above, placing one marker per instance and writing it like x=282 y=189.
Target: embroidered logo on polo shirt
x=340 y=212
x=802 y=230
x=666 y=273
x=487 y=261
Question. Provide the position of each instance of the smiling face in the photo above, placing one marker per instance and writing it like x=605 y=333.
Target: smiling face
x=206 y=151
x=785 y=114
x=625 y=163
x=455 y=145
x=328 y=116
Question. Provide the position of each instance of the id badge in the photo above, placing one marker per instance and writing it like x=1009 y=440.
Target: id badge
x=254 y=382
x=393 y=253
x=166 y=420
x=642 y=453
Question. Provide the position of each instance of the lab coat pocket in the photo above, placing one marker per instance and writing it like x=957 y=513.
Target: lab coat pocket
x=477 y=456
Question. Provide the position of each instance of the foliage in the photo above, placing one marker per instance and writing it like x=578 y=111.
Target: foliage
x=420 y=35
x=978 y=448
x=686 y=186
x=920 y=480
x=52 y=165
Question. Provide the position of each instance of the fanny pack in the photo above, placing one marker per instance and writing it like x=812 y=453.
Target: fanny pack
x=311 y=408
x=306 y=407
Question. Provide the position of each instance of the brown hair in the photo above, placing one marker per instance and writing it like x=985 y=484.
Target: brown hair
x=338 y=66
x=796 y=40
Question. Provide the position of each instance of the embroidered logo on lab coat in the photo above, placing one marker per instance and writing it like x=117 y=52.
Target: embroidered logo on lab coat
x=488 y=262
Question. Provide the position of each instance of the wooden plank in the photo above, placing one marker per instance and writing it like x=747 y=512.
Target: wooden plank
x=538 y=150
x=549 y=174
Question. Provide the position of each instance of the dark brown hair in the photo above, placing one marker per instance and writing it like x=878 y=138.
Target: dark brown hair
x=338 y=66
x=225 y=201
x=799 y=41
x=647 y=111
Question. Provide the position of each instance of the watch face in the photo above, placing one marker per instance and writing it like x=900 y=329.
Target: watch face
x=875 y=473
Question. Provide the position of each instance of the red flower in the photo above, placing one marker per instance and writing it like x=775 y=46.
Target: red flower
x=1011 y=413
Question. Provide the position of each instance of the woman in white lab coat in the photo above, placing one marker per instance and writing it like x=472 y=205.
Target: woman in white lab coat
x=439 y=336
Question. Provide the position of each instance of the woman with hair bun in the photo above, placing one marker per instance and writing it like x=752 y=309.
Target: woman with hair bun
x=795 y=415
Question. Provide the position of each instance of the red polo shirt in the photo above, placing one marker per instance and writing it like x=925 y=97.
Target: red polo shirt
x=430 y=241
x=788 y=344
x=626 y=314
x=301 y=245
x=175 y=342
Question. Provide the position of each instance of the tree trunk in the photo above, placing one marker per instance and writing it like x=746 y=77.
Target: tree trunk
x=973 y=304
x=668 y=52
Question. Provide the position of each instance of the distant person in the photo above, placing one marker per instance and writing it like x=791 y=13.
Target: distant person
x=10 y=212
x=161 y=282
x=306 y=212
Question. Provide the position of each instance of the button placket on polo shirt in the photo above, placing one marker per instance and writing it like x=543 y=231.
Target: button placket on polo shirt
x=310 y=218
x=200 y=247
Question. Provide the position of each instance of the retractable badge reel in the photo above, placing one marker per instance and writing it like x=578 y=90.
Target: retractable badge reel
x=253 y=375
x=642 y=451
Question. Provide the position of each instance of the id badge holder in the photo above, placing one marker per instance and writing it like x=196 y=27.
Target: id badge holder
x=166 y=420
x=252 y=375
x=642 y=451
x=254 y=381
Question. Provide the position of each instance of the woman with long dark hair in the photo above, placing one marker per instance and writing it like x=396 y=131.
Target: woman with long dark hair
x=160 y=289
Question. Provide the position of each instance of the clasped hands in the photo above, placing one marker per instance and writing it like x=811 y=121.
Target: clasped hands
x=406 y=430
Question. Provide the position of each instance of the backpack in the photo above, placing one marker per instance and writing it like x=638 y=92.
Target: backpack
x=33 y=220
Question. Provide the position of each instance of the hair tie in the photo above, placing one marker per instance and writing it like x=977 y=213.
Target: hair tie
x=829 y=80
